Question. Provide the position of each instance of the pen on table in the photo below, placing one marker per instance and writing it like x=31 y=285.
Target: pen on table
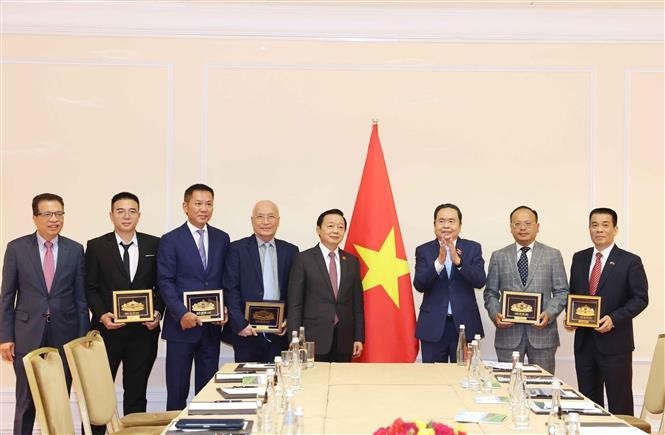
x=228 y=401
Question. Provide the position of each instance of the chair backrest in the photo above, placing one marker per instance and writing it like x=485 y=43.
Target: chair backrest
x=654 y=396
x=46 y=378
x=93 y=383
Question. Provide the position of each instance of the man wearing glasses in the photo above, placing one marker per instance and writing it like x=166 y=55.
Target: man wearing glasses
x=43 y=297
x=124 y=260
x=532 y=267
x=257 y=269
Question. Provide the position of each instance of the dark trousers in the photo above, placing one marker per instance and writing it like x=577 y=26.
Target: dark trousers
x=444 y=350
x=179 y=357
x=334 y=355
x=261 y=348
x=137 y=353
x=24 y=413
x=614 y=372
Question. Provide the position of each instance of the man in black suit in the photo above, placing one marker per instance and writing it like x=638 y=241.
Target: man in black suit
x=124 y=260
x=326 y=294
x=257 y=269
x=603 y=356
x=43 y=297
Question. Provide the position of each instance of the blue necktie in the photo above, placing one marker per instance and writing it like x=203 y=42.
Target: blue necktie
x=523 y=264
x=449 y=265
x=269 y=290
x=202 y=249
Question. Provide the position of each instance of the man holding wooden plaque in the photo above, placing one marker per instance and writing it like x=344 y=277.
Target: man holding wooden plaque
x=256 y=278
x=603 y=354
x=536 y=272
x=121 y=272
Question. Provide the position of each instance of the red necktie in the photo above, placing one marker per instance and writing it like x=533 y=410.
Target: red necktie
x=595 y=275
x=49 y=265
x=332 y=271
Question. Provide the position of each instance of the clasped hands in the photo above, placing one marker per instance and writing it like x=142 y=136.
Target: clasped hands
x=447 y=242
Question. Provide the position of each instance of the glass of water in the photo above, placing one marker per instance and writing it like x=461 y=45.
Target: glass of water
x=309 y=349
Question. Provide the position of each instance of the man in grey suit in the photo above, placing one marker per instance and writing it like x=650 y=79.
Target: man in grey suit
x=326 y=295
x=43 y=297
x=527 y=266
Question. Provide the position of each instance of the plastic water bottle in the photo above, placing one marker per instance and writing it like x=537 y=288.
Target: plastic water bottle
x=520 y=405
x=461 y=346
x=289 y=420
x=474 y=376
x=513 y=373
x=554 y=422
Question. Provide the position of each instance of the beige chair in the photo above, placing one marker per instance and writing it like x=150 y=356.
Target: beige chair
x=654 y=396
x=46 y=378
x=95 y=390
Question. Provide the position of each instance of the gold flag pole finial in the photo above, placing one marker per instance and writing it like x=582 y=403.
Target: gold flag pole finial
x=375 y=121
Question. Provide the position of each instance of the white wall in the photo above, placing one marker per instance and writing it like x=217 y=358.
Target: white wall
x=560 y=108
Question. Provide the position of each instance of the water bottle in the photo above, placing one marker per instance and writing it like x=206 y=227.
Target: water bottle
x=554 y=423
x=573 y=423
x=520 y=405
x=461 y=346
x=302 y=352
x=280 y=390
x=513 y=373
x=474 y=376
x=289 y=420
x=300 y=421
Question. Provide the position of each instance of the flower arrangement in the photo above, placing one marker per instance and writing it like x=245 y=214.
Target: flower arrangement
x=419 y=427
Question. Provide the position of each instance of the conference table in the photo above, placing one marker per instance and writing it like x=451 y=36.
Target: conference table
x=359 y=398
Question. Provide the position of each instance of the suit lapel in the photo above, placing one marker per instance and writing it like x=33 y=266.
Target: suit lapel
x=343 y=266
x=188 y=239
x=254 y=254
x=63 y=253
x=609 y=267
x=586 y=261
x=114 y=252
x=35 y=259
x=323 y=269
x=511 y=253
x=536 y=256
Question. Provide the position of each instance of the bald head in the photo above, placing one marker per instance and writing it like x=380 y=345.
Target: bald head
x=265 y=219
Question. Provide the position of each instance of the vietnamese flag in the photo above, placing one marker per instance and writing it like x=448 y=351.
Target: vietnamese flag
x=375 y=238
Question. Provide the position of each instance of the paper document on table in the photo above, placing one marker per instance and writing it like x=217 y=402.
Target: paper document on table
x=479 y=417
x=491 y=399
x=222 y=407
x=500 y=366
x=241 y=378
x=580 y=406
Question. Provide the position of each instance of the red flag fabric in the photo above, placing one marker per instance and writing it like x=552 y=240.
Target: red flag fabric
x=375 y=238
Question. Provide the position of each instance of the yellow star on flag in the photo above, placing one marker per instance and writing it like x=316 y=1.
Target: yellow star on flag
x=384 y=268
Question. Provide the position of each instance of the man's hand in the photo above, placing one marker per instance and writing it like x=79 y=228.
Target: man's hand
x=454 y=255
x=606 y=325
x=7 y=351
x=357 y=349
x=442 y=251
x=282 y=331
x=108 y=320
x=155 y=323
x=543 y=320
x=189 y=320
x=500 y=323
x=247 y=332
x=566 y=326
x=224 y=320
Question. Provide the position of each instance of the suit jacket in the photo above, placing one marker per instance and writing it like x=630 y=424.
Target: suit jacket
x=623 y=289
x=179 y=269
x=25 y=300
x=105 y=272
x=243 y=276
x=546 y=275
x=438 y=289
x=311 y=301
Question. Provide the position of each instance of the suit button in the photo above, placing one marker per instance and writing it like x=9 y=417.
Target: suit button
x=205 y=284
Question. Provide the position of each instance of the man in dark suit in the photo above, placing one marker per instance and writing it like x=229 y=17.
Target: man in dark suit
x=43 y=297
x=257 y=269
x=124 y=260
x=448 y=269
x=533 y=267
x=190 y=257
x=603 y=355
x=326 y=294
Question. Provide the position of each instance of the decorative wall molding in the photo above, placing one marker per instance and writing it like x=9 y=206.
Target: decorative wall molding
x=461 y=22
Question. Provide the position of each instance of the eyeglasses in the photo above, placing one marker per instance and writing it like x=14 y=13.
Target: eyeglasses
x=518 y=225
x=263 y=217
x=49 y=214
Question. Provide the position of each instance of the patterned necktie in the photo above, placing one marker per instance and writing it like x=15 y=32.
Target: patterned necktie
x=332 y=271
x=202 y=249
x=125 y=259
x=269 y=293
x=523 y=264
x=594 y=279
x=49 y=265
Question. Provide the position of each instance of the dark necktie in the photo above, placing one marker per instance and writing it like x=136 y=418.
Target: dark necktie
x=125 y=259
x=594 y=279
x=523 y=264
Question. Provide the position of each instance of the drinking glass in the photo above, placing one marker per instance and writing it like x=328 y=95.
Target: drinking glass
x=309 y=348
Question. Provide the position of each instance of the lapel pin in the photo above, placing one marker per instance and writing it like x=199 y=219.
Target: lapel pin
x=343 y=257
x=611 y=263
